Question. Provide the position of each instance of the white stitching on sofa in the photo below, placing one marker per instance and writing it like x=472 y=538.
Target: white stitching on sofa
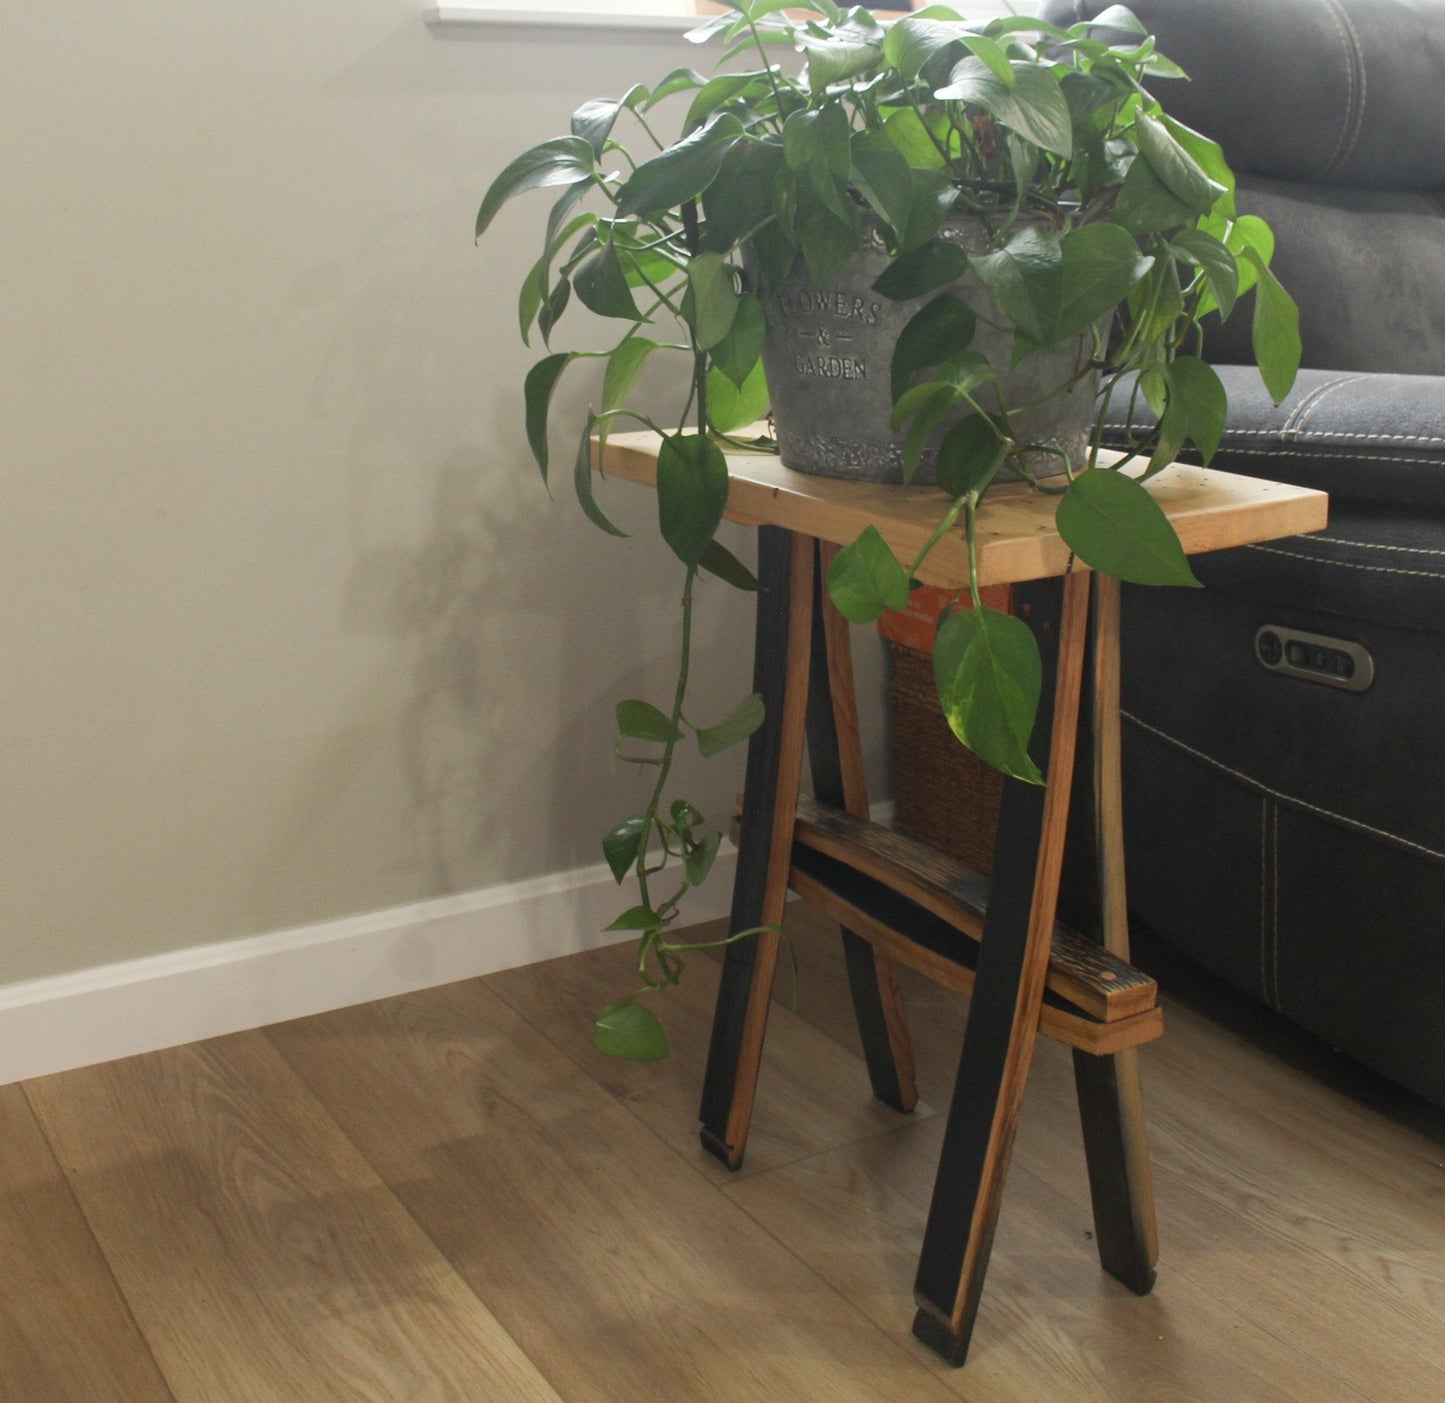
x=1354 y=118
x=1316 y=455
x=1320 y=451
x=1294 y=423
x=1371 y=545
x=1263 y=893
x=1275 y=876
x=1347 y=564
x=1374 y=438
x=1277 y=793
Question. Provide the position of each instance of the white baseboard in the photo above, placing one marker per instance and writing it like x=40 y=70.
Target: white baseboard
x=131 y=1006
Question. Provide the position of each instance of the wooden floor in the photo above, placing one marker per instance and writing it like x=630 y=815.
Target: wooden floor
x=452 y=1196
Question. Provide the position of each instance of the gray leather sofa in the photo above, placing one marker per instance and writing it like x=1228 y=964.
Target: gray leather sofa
x=1285 y=727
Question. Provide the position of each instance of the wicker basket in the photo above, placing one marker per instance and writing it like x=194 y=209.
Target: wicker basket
x=943 y=795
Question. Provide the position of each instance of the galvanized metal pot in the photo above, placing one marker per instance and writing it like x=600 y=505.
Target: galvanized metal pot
x=827 y=359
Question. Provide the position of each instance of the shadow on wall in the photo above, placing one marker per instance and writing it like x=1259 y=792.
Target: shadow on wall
x=507 y=616
x=500 y=629
x=436 y=598
x=519 y=634
x=455 y=642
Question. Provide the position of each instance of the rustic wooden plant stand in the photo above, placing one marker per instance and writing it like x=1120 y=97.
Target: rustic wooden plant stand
x=897 y=900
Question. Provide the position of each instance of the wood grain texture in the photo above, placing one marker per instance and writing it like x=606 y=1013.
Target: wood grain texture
x=1008 y=994
x=781 y=659
x=66 y=1333
x=1087 y=1034
x=1051 y=1326
x=1302 y=1215
x=1111 y=1097
x=619 y=1268
x=1302 y=1247
x=1089 y=977
x=835 y=756
x=1017 y=539
x=809 y=1100
x=261 y=1256
x=1108 y=753
x=838 y=644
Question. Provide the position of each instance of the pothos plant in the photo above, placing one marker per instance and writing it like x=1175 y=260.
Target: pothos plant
x=1106 y=220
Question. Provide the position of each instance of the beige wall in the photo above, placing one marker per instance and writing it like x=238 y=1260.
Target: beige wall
x=290 y=630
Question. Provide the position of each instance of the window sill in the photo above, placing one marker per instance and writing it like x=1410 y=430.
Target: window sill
x=467 y=13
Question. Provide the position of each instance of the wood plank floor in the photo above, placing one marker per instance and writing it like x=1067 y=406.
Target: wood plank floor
x=452 y=1196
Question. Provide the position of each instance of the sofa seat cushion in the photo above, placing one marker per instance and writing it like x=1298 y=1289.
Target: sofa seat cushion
x=1365 y=438
x=1371 y=565
x=1193 y=681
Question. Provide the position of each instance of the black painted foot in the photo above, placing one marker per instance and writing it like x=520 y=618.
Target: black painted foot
x=932 y=1331
x=1118 y=1174
x=719 y=1148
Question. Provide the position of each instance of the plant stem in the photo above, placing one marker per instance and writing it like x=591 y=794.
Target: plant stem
x=664 y=769
x=970 y=521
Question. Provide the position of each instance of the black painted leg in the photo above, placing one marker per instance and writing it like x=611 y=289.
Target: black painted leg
x=1111 y=1106
x=780 y=676
x=1003 y=1013
x=837 y=771
x=1111 y=1116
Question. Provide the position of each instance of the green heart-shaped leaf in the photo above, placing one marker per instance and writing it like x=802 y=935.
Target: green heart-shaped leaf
x=718 y=560
x=594 y=120
x=1033 y=105
x=629 y=1030
x=697 y=861
x=624 y=366
x=682 y=172
x=1026 y=278
x=732 y=407
x=622 y=845
x=714 y=301
x=746 y=717
x=692 y=493
x=736 y=355
x=816 y=146
x=1197 y=407
x=1101 y=265
x=969 y=456
x=560 y=161
x=602 y=286
x=922 y=270
x=740 y=196
x=1220 y=269
x=1177 y=170
x=884 y=178
x=866 y=578
x=1275 y=330
x=912 y=42
x=836 y=59
x=1146 y=205
x=938 y=332
x=640 y=720
x=537 y=391
x=641 y=917
x=582 y=482
x=1114 y=525
x=988 y=673
x=828 y=242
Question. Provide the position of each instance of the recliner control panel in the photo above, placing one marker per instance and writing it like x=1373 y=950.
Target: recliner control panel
x=1337 y=662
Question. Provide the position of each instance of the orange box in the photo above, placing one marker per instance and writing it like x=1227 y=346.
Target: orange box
x=915 y=626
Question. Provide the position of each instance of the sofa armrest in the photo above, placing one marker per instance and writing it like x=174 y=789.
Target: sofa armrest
x=1360 y=436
